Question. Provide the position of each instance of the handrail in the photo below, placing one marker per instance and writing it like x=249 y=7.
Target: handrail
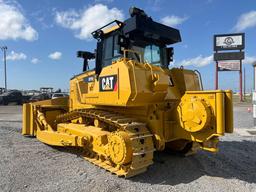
x=134 y=77
x=200 y=79
x=150 y=68
x=133 y=68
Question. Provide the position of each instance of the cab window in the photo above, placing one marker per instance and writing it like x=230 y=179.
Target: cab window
x=108 y=51
x=152 y=55
x=111 y=50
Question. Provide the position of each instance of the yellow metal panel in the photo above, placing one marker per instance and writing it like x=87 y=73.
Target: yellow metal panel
x=229 y=111
x=90 y=134
x=26 y=127
x=62 y=101
x=81 y=130
x=138 y=84
x=216 y=127
x=191 y=80
x=220 y=115
x=58 y=139
x=28 y=121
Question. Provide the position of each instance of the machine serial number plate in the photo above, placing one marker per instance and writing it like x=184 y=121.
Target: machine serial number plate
x=108 y=83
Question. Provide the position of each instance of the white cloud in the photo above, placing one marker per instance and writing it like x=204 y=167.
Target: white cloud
x=55 y=55
x=201 y=61
x=249 y=59
x=86 y=21
x=34 y=60
x=154 y=5
x=245 y=21
x=13 y=24
x=173 y=20
x=198 y=61
x=13 y=56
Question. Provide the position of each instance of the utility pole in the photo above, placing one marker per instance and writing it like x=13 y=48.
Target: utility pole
x=4 y=49
x=244 y=84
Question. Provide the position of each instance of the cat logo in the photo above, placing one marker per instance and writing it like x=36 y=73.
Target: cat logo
x=108 y=83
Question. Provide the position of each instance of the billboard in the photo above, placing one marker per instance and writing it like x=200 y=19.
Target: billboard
x=229 y=65
x=228 y=56
x=233 y=41
x=226 y=59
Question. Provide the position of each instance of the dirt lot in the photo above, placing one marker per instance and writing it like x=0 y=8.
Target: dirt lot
x=28 y=165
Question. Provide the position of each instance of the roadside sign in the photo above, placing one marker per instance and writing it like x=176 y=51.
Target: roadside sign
x=228 y=56
x=229 y=65
x=229 y=41
x=227 y=60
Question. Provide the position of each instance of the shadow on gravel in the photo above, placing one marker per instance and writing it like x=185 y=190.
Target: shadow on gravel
x=73 y=150
x=235 y=160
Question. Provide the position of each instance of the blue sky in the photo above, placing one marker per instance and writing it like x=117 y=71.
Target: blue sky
x=43 y=36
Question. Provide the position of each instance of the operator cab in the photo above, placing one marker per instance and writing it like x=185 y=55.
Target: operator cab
x=138 y=38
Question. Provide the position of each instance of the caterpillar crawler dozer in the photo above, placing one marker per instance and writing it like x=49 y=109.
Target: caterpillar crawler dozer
x=132 y=104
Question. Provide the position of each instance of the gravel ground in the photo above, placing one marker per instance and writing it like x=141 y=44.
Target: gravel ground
x=28 y=165
x=243 y=118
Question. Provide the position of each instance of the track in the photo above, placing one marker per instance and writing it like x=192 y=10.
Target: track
x=134 y=133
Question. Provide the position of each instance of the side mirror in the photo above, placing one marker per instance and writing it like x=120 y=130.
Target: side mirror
x=86 y=56
x=169 y=54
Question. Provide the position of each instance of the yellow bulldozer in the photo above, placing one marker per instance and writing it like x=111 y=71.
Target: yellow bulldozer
x=132 y=104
